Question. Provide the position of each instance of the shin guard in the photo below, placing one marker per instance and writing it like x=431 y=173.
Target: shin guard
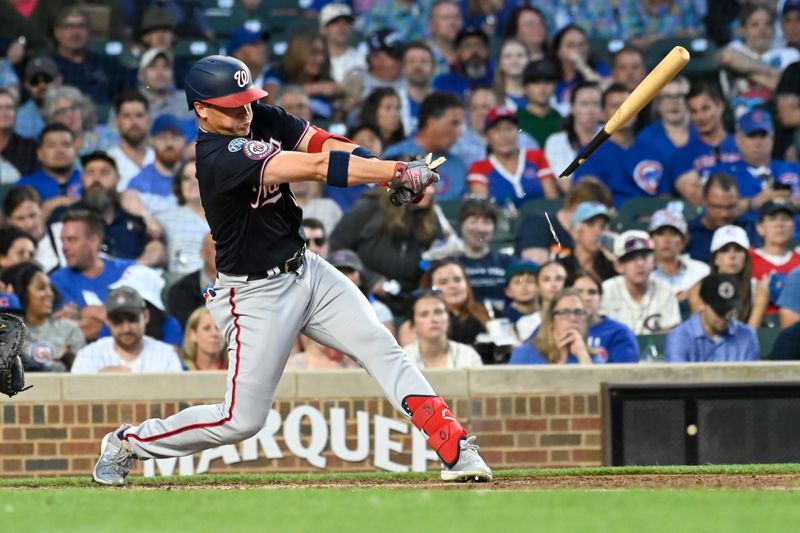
x=444 y=433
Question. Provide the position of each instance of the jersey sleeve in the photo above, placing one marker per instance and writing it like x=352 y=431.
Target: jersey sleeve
x=538 y=158
x=241 y=162
x=479 y=172
x=289 y=128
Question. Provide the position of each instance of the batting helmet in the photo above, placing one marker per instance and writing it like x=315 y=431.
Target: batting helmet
x=222 y=81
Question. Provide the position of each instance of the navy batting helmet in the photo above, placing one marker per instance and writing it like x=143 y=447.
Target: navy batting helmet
x=222 y=81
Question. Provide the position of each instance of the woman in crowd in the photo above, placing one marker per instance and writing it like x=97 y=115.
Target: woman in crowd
x=432 y=348
x=510 y=174
x=729 y=255
x=16 y=246
x=203 y=346
x=551 y=278
x=562 y=337
x=570 y=53
x=511 y=60
x=67 y=105
x=527 y=24
x=382 y=108
x=50 y=343
x=611 y=341
x=22 y=209
x=306 y=63
x=580 y=127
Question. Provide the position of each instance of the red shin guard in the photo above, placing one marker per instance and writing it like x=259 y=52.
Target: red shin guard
x=444 y=433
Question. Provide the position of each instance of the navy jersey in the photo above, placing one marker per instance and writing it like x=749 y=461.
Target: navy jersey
x=255 y=227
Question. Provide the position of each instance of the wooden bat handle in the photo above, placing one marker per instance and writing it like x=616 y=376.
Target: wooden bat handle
x=661 y=75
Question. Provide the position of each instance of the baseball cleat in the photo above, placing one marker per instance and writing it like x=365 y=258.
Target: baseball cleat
x=116 y=458
x=470 y=465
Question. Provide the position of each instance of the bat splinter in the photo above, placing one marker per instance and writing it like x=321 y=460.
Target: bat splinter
x=667 y=69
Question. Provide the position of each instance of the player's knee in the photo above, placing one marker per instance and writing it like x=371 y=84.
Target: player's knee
x=242 y=429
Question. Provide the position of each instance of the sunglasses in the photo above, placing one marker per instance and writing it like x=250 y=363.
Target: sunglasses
x=577 y=313
x=40 y=79
x=318 y=241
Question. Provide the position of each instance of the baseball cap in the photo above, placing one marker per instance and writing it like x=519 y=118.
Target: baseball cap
x=790 y=5
x=146 y=281
x=70 y=11
x=167 y=123
x=755 y=121
x=496 y=114
x=633 y=240
x=521 y=266
x=9 y=303
x=152 y=54
x=157 y=18
x=244 y=36
x=665 y=218
x=588 y=210
x=771 y=207
x=334 y=11
x=41 y=65
x=539 y=71
x=719 y=292
x=386 y=40
x=124 y=300
x=471 y=31
x=346 y=259
x=729 y=234
x=98 y=155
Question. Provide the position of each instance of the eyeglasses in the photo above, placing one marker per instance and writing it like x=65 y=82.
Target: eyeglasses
x=577 y=313
x=68 y=109
x=318 y=241
x=40 y=79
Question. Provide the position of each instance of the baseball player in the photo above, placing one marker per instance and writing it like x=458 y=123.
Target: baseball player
x=269 y=289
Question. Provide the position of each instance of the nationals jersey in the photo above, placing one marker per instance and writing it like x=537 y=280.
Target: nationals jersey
x=255 y=227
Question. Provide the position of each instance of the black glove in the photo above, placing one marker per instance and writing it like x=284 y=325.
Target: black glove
x=12 y=374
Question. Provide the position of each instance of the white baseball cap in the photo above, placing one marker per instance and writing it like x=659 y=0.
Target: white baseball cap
x=146 y=281
x=729 y=234
x=664 y=218
x=630 y=241
x=334 y=11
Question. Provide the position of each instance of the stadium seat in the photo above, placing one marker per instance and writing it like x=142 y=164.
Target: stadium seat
x=651 y=347
x=4 y=188
x=636 y=212
x=450 y=209
x=703 y=62
x=540 y=205
x=766 y=339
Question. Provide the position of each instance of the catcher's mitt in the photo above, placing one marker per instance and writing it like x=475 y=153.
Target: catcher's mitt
x=12 y=374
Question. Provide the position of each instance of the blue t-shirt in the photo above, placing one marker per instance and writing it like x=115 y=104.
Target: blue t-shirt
x=455 y=82
x=613 y=341
x=699 y=245
x=487 y=275
x=648 y=161
x=526 y=354
x=699 y=156
x=452 y=183
x=151 y=181
x=75 y=287
x=609 y=165
x=48 y=188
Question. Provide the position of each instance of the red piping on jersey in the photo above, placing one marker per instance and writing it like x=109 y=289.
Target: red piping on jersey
x=233 y=394
x=308 y=125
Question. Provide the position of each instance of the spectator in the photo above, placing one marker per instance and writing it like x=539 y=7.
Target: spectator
x=294 y=100
x=417 y=71
x=527 y=23
x=188 y=16
x=17 y=153
x=50 y=342
x=132 y=119
x=440 y=122
x=713 y=145
x=306 y=63
x=628 y=67
x=789 y=300
x=41 y=73
x=486 y=269
x=635 y=298
x=126 y=236
x=600 y=19
x=336 y=26
x=68 y=106
x=611 y=341
x=382 y=109
x=157 y=84
x=580 y=127
x=646 y=21
x=776 y=258
x=713 y=334
x=754 y=62
x=22 y=209
x=670 y=234
x=316 y=356
x=185 y=225
x=473 y=144
x=759 y=177
x=538 y=117
x=537 y=245
x=316 y=237
x=186 y=294
x=511 y=61
x=383 y=67
x=150 y=192
x=523 y=295
x=58 y=182
x=97 y=76
x=128 y=349
x=729 y=249
x=561 y=339
x=432 y=348
x=657 y=143
x=406 y=16
x=203 y=345
x=570 y=53
x=510 y=175
x=16 y=246
x=589 y=223
x=790 y=23
x=84 y=282
x=473 y=66
x=787 y=345
x=252 y=48
x=551 y=278
x=444 y=23
x=787 y=103
x=349 y=264
x=158 y=30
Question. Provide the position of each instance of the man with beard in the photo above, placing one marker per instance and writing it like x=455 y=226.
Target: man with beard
x=417 y=72
x=133 y=151
x=127 y=236
x=472 y=67
x=151 y=190
x=41 y=73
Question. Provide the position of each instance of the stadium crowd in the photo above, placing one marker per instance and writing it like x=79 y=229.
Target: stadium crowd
x=676 y=241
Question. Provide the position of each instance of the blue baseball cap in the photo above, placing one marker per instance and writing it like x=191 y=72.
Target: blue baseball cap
x=167 y=123
x=790 y=5
x=588 y=210
x=9 y=302
x=245 y=36
x=755 y=121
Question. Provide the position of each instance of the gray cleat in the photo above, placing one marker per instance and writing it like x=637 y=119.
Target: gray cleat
x=470 y=465
x=116 y=458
